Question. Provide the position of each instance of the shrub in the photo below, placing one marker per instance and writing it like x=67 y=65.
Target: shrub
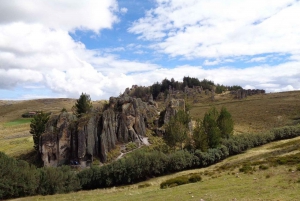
x=263 y=167
x=174 y=182
x=246 y=168
x=195 y=178
x=17 y=178
x=131 y=146
x=180 y=181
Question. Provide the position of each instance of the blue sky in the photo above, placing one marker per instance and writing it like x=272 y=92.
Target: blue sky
x=51 y=49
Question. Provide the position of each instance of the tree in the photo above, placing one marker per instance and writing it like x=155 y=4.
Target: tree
x=211 y=128
x=37 y=127
x=225 y=123
x=83 y=105
x=177 y=129
x=200 y=136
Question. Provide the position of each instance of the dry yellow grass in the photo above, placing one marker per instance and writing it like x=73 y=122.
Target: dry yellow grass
x=256 y=113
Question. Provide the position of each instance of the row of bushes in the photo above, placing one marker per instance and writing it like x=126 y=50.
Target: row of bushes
x=239 y=143
x=18 y=179
x=141 y=165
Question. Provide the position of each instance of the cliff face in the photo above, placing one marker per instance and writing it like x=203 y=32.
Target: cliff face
x=68 y=139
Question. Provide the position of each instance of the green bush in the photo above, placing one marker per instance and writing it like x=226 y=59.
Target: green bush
x=195 y=178
x=19 y=179
x=177 y=181
x=263 y=167
x=246 y=168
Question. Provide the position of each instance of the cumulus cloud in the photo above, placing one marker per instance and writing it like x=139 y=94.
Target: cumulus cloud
x=65 y=15
x=209 y=29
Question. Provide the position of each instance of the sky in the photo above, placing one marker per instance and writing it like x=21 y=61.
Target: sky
x=60 y=49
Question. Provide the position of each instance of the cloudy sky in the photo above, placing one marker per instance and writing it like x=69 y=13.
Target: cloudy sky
x=62 y=48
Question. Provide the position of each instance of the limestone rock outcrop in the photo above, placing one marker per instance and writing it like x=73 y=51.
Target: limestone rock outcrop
x=173 y=107
x=68 y=139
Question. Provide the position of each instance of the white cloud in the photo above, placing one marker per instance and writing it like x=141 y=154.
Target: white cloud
x=11 y=77
x=194 y=29
x=211 y=63
x=65 y=15
x=258 y=59
x=123 y=10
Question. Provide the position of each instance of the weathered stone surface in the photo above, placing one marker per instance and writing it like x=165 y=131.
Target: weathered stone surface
x=243 y=93
x=55 y=143
x=68 y=139
x=173 y=107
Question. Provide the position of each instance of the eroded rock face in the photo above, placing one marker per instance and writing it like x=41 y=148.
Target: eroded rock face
x=69 y=139
x=55 y=143
x=173 y=107
x=243 y=93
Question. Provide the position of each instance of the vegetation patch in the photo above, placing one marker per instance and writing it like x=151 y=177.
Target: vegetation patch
x=180 y=181
x=131 y=146
x=144 y=185
x=113 y=154
x=247 y=168
x=18 y=122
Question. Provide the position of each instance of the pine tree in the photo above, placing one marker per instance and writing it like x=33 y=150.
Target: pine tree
x=177 y=129
x=37 y=127
x=83 y=105
x=211 y=129
x=200 y=137
x=225 y=123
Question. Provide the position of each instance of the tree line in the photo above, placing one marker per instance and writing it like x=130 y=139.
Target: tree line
x=163 y=87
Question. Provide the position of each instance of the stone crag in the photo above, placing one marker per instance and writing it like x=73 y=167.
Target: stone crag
x=243 y=93
x=68 y=139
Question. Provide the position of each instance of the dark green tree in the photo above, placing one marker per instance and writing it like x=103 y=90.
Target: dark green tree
x=200 y=136
x=211 y=128
x=225 y=123
x=37 y=127
x=177 y=129
x=83 y=105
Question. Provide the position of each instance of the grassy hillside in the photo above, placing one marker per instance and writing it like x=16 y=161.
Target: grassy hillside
x=256 y=113
x=266 y=180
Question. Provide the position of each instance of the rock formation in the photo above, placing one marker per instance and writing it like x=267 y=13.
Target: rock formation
x=172 y=108
x=243 y=93
x=68 y=139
